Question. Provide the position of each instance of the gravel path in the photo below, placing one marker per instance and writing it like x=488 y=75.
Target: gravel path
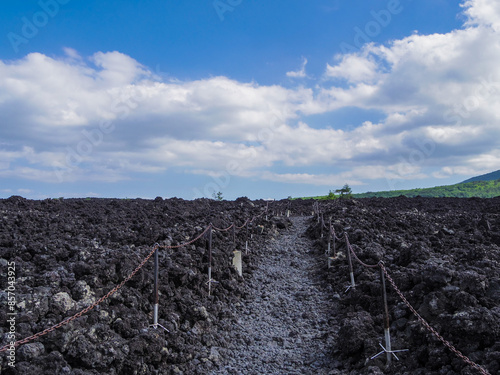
x=284 y=326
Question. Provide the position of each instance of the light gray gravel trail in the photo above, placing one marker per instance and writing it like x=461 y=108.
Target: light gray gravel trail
x=283 y=327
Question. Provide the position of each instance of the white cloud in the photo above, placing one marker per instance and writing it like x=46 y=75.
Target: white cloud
x=107 y=117
x=353 y=68
x=452 y=135
x=440 y=88
x=483 y=13
x=310 y=179
x=118 y=68
x=72 y=53
x=447 y=172
x=486 y=161
x=299 y=73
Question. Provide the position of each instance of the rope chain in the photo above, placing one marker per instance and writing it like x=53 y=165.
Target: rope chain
x=84 y=311
x=349 y=246
x=115 y=289
x=145 y=260
x=418 y=316
x=187 y=243
x=222 y=229
x=429 y=328
x=245 y=223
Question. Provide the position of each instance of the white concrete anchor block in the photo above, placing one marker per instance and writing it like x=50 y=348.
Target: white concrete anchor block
x=237 y=262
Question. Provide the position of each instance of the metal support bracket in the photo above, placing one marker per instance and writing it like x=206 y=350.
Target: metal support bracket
x=155 y=324
x=393 y=352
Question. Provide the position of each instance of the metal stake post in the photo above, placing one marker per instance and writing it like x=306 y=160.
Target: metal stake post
x=388 y=348
x=246 y=239
x=386 y=319
x=234 y=236
x=156 y=295
x=329 y=240
x=328 y=251
x=351 y=272
x=322 y=225
x=210 y=260
x=334 y=235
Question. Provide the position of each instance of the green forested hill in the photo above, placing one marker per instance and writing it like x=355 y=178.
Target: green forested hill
x=484 y=177
x=481 y=189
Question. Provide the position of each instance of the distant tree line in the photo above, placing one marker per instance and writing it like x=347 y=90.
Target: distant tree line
x=480 y=189
x=344 y=193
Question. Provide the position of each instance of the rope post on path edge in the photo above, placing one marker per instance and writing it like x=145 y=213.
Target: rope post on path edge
x=387 y=333
x=233 y=234
x=329 y=238
x=322 y=225
x=348 y=250
x=209 y=259
x=156 y=295
x=210 y=280
x=328 y=251
x=246 y=238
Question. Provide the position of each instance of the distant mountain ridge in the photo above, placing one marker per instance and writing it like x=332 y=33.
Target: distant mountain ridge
x=479 y=189
x=485 y=177
x=484 y=186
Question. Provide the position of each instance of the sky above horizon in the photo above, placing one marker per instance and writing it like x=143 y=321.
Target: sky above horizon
x=264 y=99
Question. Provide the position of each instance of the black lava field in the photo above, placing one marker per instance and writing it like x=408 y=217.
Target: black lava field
x=289 y=313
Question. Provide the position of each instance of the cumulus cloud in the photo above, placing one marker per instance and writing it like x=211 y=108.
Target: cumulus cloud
x=311 y=179
x=105 y=117
x=73 y=116
x=483 y=13
x=353 y=68
x=439 y=89
x=299 y=73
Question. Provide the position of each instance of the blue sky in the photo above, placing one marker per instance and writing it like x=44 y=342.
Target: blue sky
x=265 y=99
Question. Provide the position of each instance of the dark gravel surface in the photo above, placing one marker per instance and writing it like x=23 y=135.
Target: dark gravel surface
x=287 y=323
x=70 y=252
x=444 y=255
x=288 y=314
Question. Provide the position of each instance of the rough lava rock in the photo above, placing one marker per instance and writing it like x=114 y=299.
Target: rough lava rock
x=70 y=252
x=442 y=253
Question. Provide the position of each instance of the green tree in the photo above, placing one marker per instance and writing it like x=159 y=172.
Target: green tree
x=331 y=195
x=218 y=196
x=345 y=192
